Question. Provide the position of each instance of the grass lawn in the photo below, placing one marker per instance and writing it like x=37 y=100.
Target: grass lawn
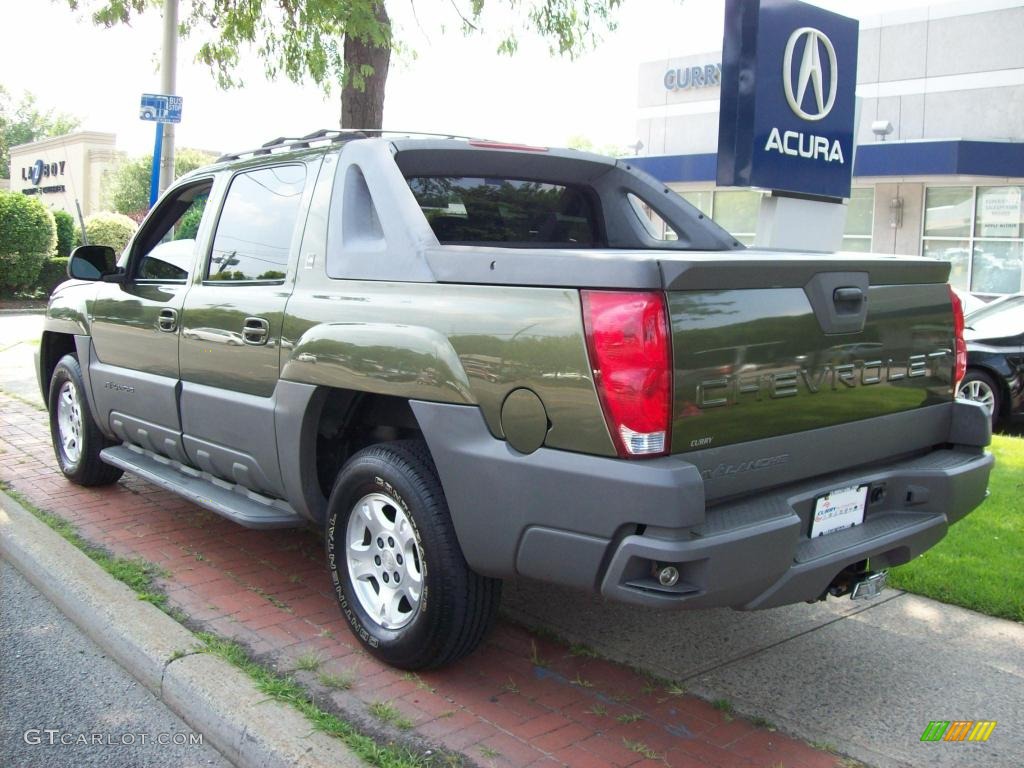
x=980 y=563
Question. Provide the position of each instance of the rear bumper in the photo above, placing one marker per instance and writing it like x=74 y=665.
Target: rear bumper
x=605 y=524
x=758 y=554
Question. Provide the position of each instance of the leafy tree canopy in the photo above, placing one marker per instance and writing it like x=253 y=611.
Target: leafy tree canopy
x=25 y=122
x=126 y=190
x=347 y=42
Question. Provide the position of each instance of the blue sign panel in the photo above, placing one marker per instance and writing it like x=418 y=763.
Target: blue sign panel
x=159 y=108
x=789 y=78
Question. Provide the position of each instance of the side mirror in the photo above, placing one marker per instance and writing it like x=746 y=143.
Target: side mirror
x=92 y=262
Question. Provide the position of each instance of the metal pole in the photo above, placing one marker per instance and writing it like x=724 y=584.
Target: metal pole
x=168 y=84
x=154 y=176
x=81 y=222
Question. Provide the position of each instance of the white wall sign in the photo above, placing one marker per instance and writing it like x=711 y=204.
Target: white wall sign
x=999 y=212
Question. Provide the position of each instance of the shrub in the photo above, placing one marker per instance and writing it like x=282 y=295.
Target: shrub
x=107 y=228
x=126 y=190
x=66 y=235
x=53 y=273
x=28 y=236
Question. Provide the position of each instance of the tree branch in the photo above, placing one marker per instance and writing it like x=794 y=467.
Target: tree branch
x=465 y=21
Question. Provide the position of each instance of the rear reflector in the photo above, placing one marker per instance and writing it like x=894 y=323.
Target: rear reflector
x=629 y=346
x=960 y=367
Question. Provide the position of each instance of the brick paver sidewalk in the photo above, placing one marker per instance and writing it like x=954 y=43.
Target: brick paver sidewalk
x=520 y=700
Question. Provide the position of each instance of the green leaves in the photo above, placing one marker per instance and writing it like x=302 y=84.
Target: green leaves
x=26 y=122
x=28 y=236
x=303 y=39
x=127 y=189
x=107 y=228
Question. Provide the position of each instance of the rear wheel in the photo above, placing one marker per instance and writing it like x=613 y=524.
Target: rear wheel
x=400 y=576
x=77 y=441
x=979 y=387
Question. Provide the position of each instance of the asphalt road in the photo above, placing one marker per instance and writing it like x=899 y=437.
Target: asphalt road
x=57 y=689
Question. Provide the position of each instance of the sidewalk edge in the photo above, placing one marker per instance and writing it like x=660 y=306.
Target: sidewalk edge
x=206 y=692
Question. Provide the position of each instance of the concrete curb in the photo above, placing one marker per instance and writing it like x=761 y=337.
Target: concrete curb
x=209 y=694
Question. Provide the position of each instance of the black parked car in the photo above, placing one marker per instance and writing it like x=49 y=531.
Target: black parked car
x=995 y=358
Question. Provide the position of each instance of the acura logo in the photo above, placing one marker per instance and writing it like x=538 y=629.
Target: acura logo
x=810 y=73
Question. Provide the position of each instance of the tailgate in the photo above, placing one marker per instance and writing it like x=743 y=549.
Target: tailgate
x=782 y=344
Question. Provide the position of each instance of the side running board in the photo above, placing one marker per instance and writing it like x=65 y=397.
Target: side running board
x=235 y=502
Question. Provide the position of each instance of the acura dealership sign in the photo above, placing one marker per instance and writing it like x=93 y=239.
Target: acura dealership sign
x=789 y=76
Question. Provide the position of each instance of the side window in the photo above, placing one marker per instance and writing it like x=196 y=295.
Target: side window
x=167 y=245
x=254 y=233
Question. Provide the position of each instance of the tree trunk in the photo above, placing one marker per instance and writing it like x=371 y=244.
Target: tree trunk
x=365 y=108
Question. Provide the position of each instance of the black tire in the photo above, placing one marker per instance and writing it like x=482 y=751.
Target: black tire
x=83 y=467
x=977 y=382
x=456 y=606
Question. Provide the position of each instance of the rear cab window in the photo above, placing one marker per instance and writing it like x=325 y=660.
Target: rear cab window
x=510 y=212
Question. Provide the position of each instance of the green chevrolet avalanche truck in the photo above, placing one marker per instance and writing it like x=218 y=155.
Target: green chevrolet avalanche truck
x=467 y=361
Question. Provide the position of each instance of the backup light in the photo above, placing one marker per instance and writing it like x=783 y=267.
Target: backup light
x=628 y=342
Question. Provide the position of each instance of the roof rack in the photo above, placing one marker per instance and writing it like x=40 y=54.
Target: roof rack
x=329 y=136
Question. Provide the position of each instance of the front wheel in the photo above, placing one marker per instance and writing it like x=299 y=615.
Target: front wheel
x=77 y=441
x=399 y=574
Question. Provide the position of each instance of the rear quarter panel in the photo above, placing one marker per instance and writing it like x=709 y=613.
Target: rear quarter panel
x=451 y=343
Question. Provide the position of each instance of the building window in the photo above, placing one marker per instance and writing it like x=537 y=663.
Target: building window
x=735 y=210
x=978 y=230
x=860 y=218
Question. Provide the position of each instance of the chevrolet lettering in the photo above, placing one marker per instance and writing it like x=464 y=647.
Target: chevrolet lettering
x=729 y=390
x=463 y=361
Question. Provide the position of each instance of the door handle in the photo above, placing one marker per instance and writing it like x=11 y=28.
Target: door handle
x=848 y=295
x=255 y=331
x=167 y=320
x=848 y=300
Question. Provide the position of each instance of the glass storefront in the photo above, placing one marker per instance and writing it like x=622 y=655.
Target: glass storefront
x=979 y=231
x=737 y=211
x=860 y=219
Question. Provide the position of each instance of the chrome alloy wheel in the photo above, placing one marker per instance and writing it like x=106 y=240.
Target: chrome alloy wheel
x=979 y=392
x=384 y=563
x=69 y=421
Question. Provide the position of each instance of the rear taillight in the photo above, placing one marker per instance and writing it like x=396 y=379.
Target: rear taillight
x=629 y=345
x=960 y=367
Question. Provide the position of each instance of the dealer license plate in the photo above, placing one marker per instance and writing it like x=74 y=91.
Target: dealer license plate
x=840 y=509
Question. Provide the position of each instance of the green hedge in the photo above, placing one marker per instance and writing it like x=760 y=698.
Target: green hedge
x=107 y=228
x=28 y=236
x=67 y=236
x=53 y=273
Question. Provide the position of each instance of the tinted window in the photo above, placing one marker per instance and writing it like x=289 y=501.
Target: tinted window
x=255 y=229
x=506 y=212
x=167 y=244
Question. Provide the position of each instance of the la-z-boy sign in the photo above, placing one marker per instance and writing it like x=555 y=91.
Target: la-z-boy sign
x=789 y=78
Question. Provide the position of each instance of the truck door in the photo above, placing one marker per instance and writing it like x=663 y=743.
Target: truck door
x=231 y=325
x=135 y=324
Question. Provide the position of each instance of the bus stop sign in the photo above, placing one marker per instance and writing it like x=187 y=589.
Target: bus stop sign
x=160 y=108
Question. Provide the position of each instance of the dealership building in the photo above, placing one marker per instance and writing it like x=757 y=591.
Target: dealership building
x=939 y=162
x=66 y=169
